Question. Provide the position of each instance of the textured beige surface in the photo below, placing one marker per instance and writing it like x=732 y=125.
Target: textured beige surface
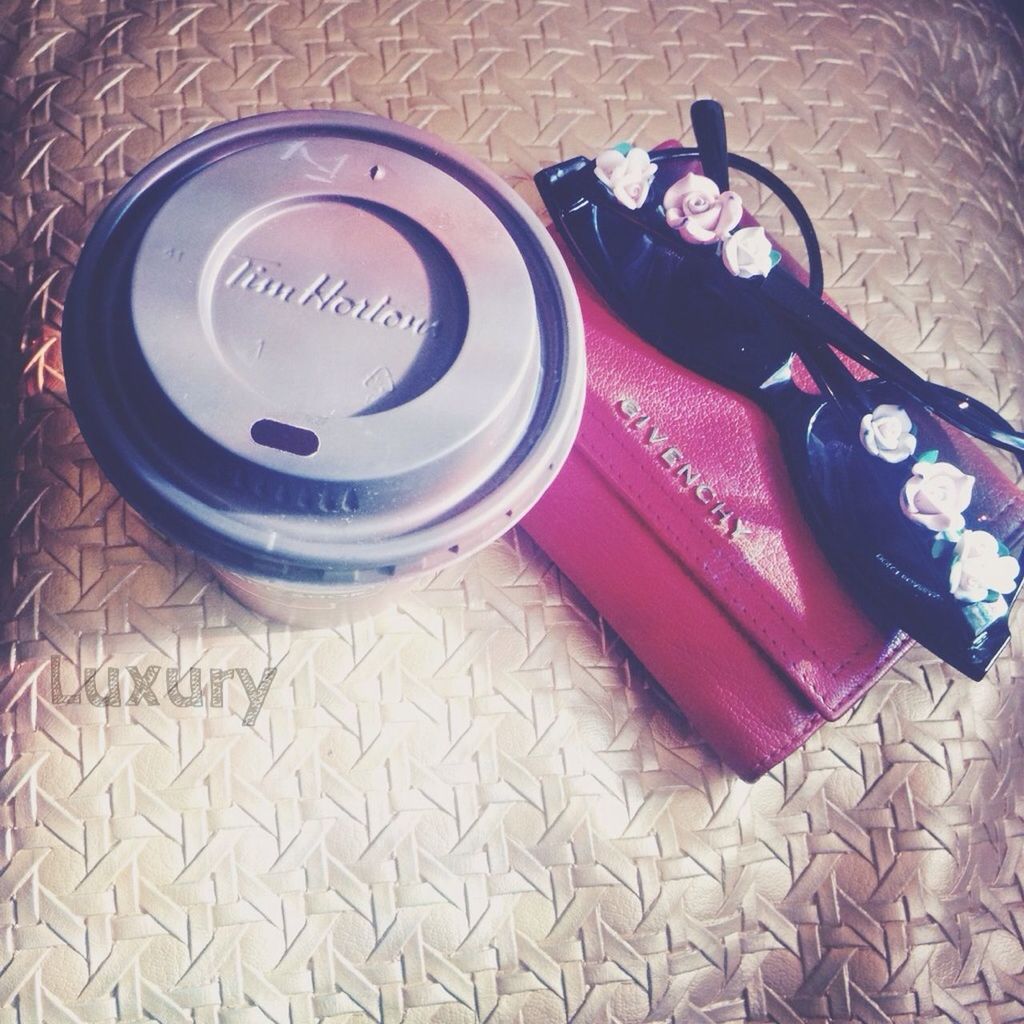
x=475 y=807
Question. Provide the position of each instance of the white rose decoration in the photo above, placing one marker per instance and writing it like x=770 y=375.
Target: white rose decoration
x=748 y=253
x=888 y=433
x=628 y=175
x=979 y=566
x=937 y=495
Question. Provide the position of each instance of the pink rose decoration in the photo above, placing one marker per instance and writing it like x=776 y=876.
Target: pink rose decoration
x=701 y=213
x=936 y=496
x=979 y=566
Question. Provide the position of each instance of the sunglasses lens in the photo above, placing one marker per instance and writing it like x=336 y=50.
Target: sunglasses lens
x=677 y=296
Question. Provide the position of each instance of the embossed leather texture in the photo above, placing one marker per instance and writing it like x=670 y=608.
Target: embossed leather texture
x=475 y=807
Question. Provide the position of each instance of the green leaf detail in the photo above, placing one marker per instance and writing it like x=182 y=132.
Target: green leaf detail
x=982 y=614
x=776 y=257
x=623 y=148
x=939 y=547
x=1002 y=548
x=992 y=595
x=931 y=455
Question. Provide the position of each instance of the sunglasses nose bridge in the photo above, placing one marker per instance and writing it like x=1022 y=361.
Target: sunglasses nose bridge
x=706 y=329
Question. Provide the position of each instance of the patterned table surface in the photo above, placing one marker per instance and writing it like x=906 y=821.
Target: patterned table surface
x=477 y=806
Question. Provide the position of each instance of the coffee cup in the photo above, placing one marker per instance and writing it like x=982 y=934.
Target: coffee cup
x=330 y=353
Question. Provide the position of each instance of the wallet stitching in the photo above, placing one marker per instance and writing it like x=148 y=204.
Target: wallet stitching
x=742 y=607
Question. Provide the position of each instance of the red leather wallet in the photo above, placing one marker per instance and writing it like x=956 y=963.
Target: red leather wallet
x=675 y=516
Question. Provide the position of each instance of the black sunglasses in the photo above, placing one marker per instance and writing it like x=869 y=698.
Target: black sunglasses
x=874 y=468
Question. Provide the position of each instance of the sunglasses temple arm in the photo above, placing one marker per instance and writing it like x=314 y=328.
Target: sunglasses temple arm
x=818 y=319
x=708 y=121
